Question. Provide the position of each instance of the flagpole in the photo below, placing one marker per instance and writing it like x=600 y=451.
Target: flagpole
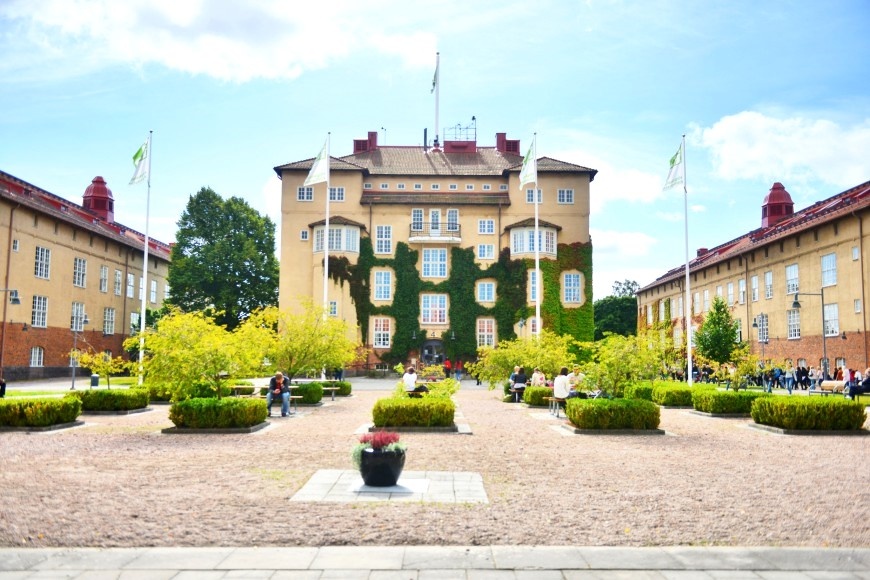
x=437 y=92
x=688 y=289
x=142 y=309
x=538 y=282
x=326 y=237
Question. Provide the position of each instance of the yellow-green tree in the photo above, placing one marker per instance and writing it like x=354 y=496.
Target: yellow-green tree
x=101 y=363
x=618 y=360
x=295 y=343
x=550 y=352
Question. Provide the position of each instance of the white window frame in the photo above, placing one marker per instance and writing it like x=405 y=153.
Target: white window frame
x=418 y=186
x=530 y=196
x=696 y=303
x=571 y=284
x=768 y=285
x=303 y=235
x=453 y=187
x=829 y=269
x=523 y=240
x=384 y=186
x=152 y=295
x=434 y=262
x=452 y=220
x=383 y=239
x=486 y=226
x=753 y=284
x=15 y=245
x=433 y=308
x=486 y=332
x=533 y=285
x=336 y=194
x=706 y=301
x=435 y=186
x=37 y=356
x=400 y=186
x=486 y=292
x=119 y=282
x=763 y=328
x=503 y=187
x=333 y=308
x=131 y=281
x=42 y=263
x=469 y=187
x=486 y=251
x=104 y=279
x=367 y=185
x=383 y=285
x=857 y=305
x=305 y=193
x=381 y=332
x=108 y=321
x=855 y=253
x=730 y=294
x=39 y=312
x=793 y=323
x=80 y=272
x=486 y=187
x=565 y=196
x=77 y=317
x=417 y=218
x=792 y=279
x=741 y=291
x=832 y=319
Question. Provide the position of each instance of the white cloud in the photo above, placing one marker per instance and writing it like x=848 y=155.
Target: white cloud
x=616 y=243
x=265 y=39
x=697 y=208
x=796 y=148
x=670 y=216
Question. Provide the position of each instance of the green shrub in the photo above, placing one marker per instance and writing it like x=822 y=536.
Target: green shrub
x=612 y=414
x=407 y=412
x=672 y=396
x=807 y=413
x=640 y=390
x=244 y=391
x=39 y=412
x=312 y=393
x=157 y=391
x=535 y=396
x=724 y=402
x=213 y=413
x=207 y=390
x=112 y=400
x=344 y=388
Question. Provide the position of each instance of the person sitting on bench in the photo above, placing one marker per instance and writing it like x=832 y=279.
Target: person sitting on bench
x=278 y=385
x=560 y=386
x=410 y=380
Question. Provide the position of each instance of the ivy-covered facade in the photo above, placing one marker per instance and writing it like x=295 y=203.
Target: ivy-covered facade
x=431 y=252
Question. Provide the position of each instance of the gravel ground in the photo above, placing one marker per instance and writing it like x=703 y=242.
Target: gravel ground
x=119 y=482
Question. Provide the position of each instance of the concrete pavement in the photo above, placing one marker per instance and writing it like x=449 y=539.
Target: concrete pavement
x=436 y=562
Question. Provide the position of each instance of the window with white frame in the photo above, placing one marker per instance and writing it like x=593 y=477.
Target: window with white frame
x=341 y=239
x=706 y=300
x=77 y=318
x=696 y=303
x=763 y=330
x=452 y=220
x=367 y=185
x=152 y=295
x=486 y=252
x=793 y=321
x=42 y=263
x=730 y=293
x=792 y=280
x=305 y=194
x=336 y=193
x=37 y=356
x=523 y=240
x=134 y=322
x=433 y=308
x=303 y=235
x=104 y=279
x=680 y=306
x=417 y=219
x=753 y=285
x=453 y=187
x=565 y=196
x=768 y=284
x=486 y=226
x=14 y=245
x=832 y=319
x=131 y=280
x=738 y=337
x=649 y=313
x=530 y=196
x=533 y=325
x=533 y=285
x=829 y=269
x=469 y=187
x=719 y=291
x=486 y=332
x=118 y=282
x=741 y=291
x=400 y=186
x=381 y=338
x=39 y=313
x=166 y=292
x=487 y=187
x=383 y=239
x=855 y=253
x=333 y=308
x=503 y=187
x=108 y=321
x=385 y=186
x=434 y=263
x=571 y=288
x=486 y=291
x=418 y=186
x=857 y=305
x=435 y=186
x=80 y=272
x=662 y=310
x=141 y=287
x=383 y=285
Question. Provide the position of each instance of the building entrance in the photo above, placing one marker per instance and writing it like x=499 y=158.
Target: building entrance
x=432 y=352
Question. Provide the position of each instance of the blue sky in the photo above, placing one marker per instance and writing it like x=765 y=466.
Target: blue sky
x=764 y=91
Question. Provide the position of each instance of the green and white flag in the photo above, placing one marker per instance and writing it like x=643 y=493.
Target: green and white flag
x=675 y=175
x=140 y=160
x=529 y=172
x=320 y=169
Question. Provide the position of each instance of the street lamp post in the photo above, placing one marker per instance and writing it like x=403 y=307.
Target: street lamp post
x=796 y=305
x=78 y=321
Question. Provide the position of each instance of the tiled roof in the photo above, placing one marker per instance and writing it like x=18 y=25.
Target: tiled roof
x=415 y=161
x=337 y=220
x=832 y=208
x=435 y=198
x=19 y=191
x=530 y=223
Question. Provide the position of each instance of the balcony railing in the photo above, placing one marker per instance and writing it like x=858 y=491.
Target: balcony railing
x=435 y=232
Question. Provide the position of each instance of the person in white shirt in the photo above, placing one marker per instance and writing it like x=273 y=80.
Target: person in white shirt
x=410 y=381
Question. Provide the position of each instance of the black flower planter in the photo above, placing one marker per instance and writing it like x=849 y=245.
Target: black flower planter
x=381 y=468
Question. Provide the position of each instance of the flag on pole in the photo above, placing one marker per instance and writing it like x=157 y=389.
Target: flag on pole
x=675 y=175
x=140 y=160
x=529 y=172
x=320 y=169
x=434 y=80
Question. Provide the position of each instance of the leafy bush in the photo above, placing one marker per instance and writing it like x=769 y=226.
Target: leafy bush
x=379 y=440
x=158 y=391
x=722 y=402
x=672 y=396
x=212 y=413
x=535 y=396
x=640 y=390
x=312 y=393
x=407 y=412
x=41 y=412
x=112 y=400
x=612 y=414
x=206 y=391
x=807 y=413
x=344 y=388
x=243 y=390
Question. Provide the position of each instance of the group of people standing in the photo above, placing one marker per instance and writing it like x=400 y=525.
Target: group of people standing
x=565 y=385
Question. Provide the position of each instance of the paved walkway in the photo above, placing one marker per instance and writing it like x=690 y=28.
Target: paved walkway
x=441 y=563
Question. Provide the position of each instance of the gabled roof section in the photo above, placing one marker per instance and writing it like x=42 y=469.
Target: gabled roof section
x=28 y=195
x=338 y=220
x=530 y=223
x=821 y=212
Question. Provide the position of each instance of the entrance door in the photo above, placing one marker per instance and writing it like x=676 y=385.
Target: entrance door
x=435 y=222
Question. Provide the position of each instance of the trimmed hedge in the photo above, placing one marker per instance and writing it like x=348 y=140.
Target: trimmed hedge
x=812 y=414
x=642 y=390
x=112 y=400
x=344 y=388
x=612 y=414
x=535 y=396
x=39 y=412
x=405 y=412
x=725 y=402
x=668 y=396
x=213 y=413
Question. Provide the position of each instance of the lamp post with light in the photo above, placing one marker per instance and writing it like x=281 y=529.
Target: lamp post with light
x=78 y=321
x=796 y=306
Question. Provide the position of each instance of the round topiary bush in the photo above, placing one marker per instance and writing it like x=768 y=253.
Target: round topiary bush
x=534 y=396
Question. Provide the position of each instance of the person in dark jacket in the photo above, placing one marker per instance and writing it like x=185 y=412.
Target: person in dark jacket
x=279 y=386
x=519 y=384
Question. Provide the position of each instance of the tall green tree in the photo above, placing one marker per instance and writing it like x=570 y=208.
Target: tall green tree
x=617 y=313
x=716 y=339
x=224 y=259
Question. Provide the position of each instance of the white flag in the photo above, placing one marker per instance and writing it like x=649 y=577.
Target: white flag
x=675 y=175
x=320 y=169
x=529 y=172
x=140 y=160
x=434 y=80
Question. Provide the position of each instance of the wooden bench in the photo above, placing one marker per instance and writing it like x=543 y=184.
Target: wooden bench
x=555 y=404
x=516 y=394
x=294 y=400
x=831 y=387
